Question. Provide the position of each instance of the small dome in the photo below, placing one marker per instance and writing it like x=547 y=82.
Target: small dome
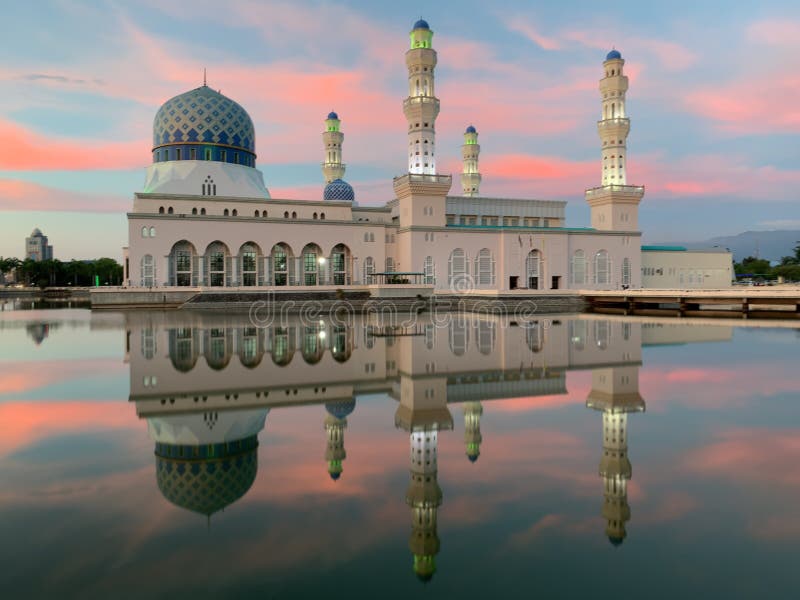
x=335 y=476
x=472 y=457
x=340 y=409
x=613 y=55
x=615 y=540
x=338 y=189
x=421 y=24
x=471 y=129
x=333 y=115
x=36 y=232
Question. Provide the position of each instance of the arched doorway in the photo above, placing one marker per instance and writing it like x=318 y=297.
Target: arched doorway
x=182 y=259
x=312 y=260
x=250 y=270
x=281 y=260
x=218 y=259
x=341 y=264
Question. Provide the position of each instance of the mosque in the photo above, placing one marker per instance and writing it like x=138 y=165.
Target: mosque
x=205 y=217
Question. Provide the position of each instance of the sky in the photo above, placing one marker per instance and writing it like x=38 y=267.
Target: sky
x=714 y=103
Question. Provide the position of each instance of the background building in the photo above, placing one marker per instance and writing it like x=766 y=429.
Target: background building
x=37 y=247
x=675 y=267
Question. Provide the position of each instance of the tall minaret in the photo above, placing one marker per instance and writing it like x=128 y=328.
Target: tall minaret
x=470 y=177
x=472 y=429
x=422 y=106
x=615 y=392
x=332 y=167
x=614 y=205
x=335 y=424
x=424 y=496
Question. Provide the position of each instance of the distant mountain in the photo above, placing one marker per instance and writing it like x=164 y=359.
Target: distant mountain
x=772 y=245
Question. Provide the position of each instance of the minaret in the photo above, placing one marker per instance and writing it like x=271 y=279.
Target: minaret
x=472 y=429
x=470 y=177
x=424 y=496
x=615 y=392
x=335 y=424
x=615 y=204
x=333 y=167
x=422 y=106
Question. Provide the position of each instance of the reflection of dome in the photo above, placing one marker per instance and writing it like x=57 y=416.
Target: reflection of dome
x=338 y=189
x=473 y=457
x=205 y=479
x=421 y=24
x=340 y=409
x=613 y=55
x=201 y=120
x=471 y=129
x=424 y=567
x=333 y=115
x=615 y=541
x=335 y=474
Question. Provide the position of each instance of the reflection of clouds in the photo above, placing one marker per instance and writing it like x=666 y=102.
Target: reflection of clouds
x=27 y=376
x=750 y=455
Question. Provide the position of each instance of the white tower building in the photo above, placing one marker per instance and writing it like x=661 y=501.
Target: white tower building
x=333 y=167
x=615 y=392
x=472 y=429
x=422 y=106
x=335 y=424
x=615 y=204
x=424 y=496
x=470 y=177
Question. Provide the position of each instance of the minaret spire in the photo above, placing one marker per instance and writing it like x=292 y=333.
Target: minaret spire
x=205 y=84
x=615 y=204
x=470 y=177
x=332 y=138
x=422 y=106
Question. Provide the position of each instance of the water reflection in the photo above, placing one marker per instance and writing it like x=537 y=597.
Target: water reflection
x=205 y=387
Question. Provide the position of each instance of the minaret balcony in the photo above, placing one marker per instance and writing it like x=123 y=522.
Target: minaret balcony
x=414 y=101
x=334 y=165
x=615 y=124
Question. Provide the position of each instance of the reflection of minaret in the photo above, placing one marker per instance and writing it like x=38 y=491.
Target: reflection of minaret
x=38 y=332
x=335 y=424
x=615 y=392
x=472 y=429
x=423 y=413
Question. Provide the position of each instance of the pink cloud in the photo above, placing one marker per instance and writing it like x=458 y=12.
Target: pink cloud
x=24 y=195
x=530 y=32
x=775 y=32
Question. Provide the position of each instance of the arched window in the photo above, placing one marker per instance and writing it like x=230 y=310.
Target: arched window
x=256 y=214
x=235 y=213
x=264 y=214
x=626 y=272
x=217 y=256
x=579 y=267
x=152 y=232
x=340 y=265
x=577 y=335
x=602 y=268
x=457 y=269
x=389 y=264
x=602 y=334
x=170 y=211
x=322 y=216
x=533 y=268
x=181 y=263
x=366 y=237
x=225 y=212
x=294 y=215
x=148 y=271
x=484 y=267
x=202 y=211
x=314 y=216
x=145 y=232
x=429 y=269
x=281 y=255
x=248 y=263
x=161 y=210
x=194 y=211
x=209 y=187
x=313 y=345
x=459 y=334
x=311 y=264
x=486 y=336
x=286 y=214
x=369 y=269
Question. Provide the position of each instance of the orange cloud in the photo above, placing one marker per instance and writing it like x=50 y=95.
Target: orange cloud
x=25 y=195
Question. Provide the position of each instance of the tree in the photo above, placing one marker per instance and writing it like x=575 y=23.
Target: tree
x=752 y=266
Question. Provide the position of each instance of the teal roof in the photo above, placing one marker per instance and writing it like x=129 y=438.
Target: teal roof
x=664 y=249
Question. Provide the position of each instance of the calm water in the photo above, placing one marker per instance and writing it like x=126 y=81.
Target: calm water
x=172 y=455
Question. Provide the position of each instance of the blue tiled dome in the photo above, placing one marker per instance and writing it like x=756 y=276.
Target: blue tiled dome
x=333 y=115
x=341 y=409
x=471 y=129
x=421 y=24
x=203 y=119
x=614 y=54
x=339 y=189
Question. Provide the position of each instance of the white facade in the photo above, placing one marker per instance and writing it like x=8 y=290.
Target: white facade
x=213 y=223
x=679 y=268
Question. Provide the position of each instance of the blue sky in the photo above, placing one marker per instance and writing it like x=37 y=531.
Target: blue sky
x=714 y=97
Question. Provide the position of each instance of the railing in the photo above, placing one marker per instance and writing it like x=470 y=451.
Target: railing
x=631 y=189
x=333 y=164
x=423 y=178
x=392 y=278
x=420 y=100
x=614 y=121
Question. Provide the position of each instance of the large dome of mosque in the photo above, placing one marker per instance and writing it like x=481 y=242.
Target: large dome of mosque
x=205 y=479
x=202 y=124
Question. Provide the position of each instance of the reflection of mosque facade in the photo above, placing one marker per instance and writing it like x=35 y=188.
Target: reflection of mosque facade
x=205 y=383
x=205 y=218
